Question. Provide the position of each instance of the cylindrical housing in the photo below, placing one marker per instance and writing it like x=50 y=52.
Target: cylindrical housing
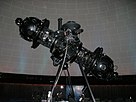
x=59 y=23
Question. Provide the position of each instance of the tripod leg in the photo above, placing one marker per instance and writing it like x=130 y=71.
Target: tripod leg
x=87 y=83
x=55 y=83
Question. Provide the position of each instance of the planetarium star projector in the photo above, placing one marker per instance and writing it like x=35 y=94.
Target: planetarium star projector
x=66 y=47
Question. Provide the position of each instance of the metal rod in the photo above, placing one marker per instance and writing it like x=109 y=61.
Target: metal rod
x=87 y=83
